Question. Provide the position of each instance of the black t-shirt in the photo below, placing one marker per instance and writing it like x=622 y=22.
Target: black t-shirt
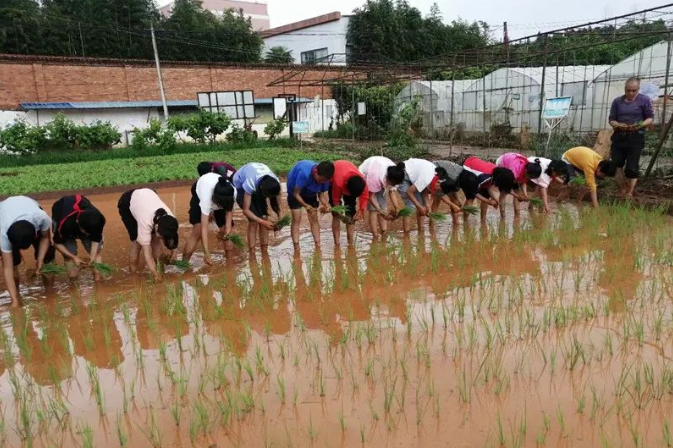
x=66 y=227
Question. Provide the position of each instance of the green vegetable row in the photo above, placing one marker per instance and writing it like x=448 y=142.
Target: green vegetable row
x=70 y=176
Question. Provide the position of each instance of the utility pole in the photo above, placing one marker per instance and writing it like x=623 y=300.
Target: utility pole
x=161 y=81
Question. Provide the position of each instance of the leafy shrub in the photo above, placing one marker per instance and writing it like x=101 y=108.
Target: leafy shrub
x=60 y=134
x=21 y=138
x=154 y=135
x=406 y=126
x=275 y=128
x=240 y=135
x=202 y=127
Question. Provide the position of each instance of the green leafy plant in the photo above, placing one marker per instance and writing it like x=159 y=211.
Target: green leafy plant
x=470 y=209
x=282 y=222
x=437 y=216
x=274 y=128
x=537 y=202
x=52 y=268
x=103 y=268
x=578 y=181
x=153 y=135
x=237 y=240
x=405 y=212
x=240 y=135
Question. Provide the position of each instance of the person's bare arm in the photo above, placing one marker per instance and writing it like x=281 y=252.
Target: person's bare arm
x=490 y=201
x=297 y=196
x=545 y=199
x=205 y=220
x=45 y=242
x=594 y=198
x=149 y=261
x=67 y=254
x=8 y=271
x=94 y=251
x=411 y=194
x=455 y=208
x=324 y=202
x=247 y=201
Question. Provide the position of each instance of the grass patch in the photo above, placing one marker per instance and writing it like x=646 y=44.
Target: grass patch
x=105 y=173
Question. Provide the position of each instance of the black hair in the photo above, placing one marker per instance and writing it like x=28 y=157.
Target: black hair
x=395 y=174
x=534 y=169
x=503 y=179
x=222 y=171
x=270 y=189
x=92 y=222
x=607 y=167
x=326 y=170
x=355 y=185
x=204 y=168
x=223 y=194
x=469 y=183
x=21 y=234
x=167 y=228
x=447 y=184
x=559 y=167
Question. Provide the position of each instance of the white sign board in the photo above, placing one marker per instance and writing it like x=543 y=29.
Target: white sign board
x=236 y=104
x=300 y=127
x=557 y=108
x=362 y=109
x=279 y=107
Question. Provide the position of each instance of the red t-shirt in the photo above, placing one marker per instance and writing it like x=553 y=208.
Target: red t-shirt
x=344 y=170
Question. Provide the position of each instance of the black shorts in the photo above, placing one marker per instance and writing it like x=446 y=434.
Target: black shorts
x=350 y=202
x=258 y=204
x=626 y=151
x=48 y=258
x=309 y=197
x=124 y=208
x=195 y=211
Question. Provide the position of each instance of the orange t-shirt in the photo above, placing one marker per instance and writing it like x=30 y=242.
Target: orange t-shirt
x=344 y=170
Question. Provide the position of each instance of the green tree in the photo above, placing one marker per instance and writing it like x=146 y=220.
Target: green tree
x=20 y=22
x=387 y=30
x=279 y=55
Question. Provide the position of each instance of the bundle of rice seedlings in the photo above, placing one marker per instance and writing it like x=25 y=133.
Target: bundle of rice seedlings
x=339 y=209
x=470 y=209
x=437 y=216
x=537 y=202
x=181 y=264
x=282 y=222
x=103 y=268
x=237 y=240
x=405 y=212
x=52 y=268
x=578 y=181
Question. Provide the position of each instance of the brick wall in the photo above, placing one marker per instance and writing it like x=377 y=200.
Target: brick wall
x=28 y=79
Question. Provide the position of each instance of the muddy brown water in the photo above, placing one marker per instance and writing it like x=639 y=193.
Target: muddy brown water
x=537 y=331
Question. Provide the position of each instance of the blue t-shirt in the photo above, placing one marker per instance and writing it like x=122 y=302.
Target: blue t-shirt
x=301 y=176
x=249 y=176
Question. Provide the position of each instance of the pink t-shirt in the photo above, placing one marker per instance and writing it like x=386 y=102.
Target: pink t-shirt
x=375 y=171
x=516 y=163
x=144 y=204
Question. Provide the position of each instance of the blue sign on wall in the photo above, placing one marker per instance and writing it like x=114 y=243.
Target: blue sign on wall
x=300 y=127
x=557 y=107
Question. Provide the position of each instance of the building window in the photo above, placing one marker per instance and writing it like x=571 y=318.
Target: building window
x=313 y=56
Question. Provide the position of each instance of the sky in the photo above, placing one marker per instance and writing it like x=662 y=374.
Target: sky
x=524 y=17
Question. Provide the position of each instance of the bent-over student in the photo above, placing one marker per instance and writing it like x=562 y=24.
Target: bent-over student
x=382 y=175
x=150 y=224
x=212 y=195
x=223 y=168
x=463 y=180
x=23 y=223
x=422 y=179
x=524 y=171
x=307 y=187
x=75 y=218
x=552 y=171
x=586 y=161
x=347 y=188
x=494 y=181
x=257 y=187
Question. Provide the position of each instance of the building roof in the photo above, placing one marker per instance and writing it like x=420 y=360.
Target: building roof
x=129 y=104
x=302 y=24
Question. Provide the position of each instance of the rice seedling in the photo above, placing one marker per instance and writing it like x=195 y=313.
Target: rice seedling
x=181 y=264
x=339 y=209
x=470 y=209
x=236 y=240
x=53 y=269
x=436 y=216
x=103 y=268
x=405 y=212
x=578 y=181
x=537 y=202
x=282 y=223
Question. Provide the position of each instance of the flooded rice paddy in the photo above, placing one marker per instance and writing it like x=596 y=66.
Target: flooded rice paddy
x=543 y=331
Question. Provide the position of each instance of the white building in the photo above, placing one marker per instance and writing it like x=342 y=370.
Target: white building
x=256 y=11
x=321 y=39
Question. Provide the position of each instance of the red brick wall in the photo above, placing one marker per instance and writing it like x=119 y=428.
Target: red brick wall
x=47 y=80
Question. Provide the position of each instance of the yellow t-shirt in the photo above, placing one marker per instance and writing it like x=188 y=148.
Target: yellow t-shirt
x=586 y=160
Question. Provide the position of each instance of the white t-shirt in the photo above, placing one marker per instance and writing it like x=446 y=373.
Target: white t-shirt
x=545 y=179
x=249 y=175
x=20 y=208
x=144 y=204
x=421 y=173
x=375 y=171
x=205 y=187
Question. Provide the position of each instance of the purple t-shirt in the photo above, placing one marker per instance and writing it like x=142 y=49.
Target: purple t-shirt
x=631 y=112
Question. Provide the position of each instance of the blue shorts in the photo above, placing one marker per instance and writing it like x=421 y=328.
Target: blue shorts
x=310 y=197
x=403 y=188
